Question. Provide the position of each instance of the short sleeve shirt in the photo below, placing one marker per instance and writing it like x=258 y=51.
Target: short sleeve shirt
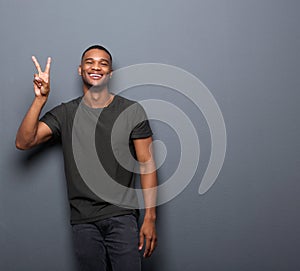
x=92 y=137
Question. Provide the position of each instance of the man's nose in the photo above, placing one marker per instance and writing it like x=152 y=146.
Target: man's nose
x=96 y=67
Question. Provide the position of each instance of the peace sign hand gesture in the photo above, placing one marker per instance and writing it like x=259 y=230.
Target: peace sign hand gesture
x=41 y=79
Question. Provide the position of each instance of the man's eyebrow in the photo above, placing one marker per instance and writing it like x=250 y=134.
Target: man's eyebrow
x=101 y=59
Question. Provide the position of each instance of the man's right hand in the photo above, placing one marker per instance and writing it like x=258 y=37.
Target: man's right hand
x=41 y=79
x=32 y=131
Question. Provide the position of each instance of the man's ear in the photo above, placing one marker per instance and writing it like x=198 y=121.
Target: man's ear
x=79 y=70
x=110 y=73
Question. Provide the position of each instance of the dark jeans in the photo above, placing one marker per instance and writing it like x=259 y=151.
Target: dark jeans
x=110 y=244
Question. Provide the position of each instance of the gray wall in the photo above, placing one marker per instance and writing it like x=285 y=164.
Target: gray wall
x=245 y=52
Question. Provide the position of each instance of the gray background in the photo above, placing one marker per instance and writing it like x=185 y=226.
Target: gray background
x=245 y=52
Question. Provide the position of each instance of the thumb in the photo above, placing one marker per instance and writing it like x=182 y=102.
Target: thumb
x=141 y=243
x=45 y=87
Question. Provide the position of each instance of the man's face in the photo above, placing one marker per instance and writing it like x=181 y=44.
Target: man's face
x=95 y=68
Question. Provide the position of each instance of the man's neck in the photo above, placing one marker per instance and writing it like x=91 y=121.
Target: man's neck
x=98 y=99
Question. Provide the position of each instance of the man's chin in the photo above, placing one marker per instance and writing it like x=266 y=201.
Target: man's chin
x=96 y=88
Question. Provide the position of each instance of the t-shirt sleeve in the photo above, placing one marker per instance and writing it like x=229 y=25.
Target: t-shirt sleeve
x=142 y=127
x=53 y=119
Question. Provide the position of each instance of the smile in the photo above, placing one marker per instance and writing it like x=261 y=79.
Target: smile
x=95 y=76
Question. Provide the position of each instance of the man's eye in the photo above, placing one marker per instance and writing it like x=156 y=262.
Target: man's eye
x=89 y=62
x=104 y=64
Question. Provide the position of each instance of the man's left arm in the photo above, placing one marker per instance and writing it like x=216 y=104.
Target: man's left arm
x=144 y=153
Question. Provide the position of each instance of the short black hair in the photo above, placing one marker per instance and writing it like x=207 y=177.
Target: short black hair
x=99 y=47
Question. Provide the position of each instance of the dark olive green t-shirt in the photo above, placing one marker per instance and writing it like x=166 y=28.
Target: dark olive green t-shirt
x=98 y=146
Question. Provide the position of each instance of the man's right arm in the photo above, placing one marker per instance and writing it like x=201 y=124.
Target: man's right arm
x=32 y=131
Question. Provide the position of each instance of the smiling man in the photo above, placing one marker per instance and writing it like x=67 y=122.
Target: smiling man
x=105 y=230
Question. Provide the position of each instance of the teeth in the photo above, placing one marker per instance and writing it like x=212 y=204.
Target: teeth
x=95 y=75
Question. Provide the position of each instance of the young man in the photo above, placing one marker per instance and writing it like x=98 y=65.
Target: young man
x=104 y=228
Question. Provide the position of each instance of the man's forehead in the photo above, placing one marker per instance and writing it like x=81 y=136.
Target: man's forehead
x=97 y=54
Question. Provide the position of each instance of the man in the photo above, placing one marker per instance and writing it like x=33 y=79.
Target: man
x=104 y=228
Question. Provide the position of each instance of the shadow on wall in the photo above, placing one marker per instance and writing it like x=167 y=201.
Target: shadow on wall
x=28 y=158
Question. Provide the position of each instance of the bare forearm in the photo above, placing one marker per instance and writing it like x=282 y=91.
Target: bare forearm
x=148 y=228
x=26 y=135
x=149 y=186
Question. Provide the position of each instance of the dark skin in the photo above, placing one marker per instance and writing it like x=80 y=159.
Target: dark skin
x=95 y=70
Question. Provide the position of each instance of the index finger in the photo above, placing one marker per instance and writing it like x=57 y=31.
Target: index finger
x=151 y=249
x=153 y=245
x=37 y=65
x=47 y=69
x=147 y=247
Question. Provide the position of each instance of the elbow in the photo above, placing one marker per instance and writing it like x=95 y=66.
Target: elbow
x=147 y=167
x=21 y=146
